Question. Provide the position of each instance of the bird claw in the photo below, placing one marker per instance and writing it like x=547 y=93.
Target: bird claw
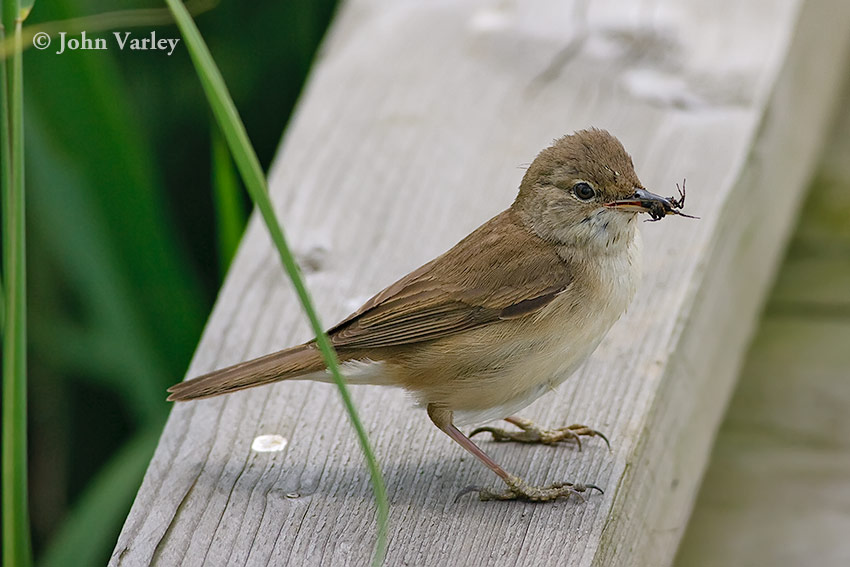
x=465 y=491
x=532 y=433
x=518 y=489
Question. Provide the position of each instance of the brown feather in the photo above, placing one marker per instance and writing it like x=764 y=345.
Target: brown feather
x=288 y=363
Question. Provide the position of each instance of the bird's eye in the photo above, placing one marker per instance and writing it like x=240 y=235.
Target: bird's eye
x=583 y=191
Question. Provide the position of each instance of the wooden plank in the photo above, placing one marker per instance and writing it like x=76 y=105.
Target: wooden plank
x=410 y=134
x=777 y=490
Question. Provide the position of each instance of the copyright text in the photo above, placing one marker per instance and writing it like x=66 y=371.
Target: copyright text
x=124 y=40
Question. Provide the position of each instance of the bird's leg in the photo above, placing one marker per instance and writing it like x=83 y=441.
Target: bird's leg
x=517 y=488
x=531 y=433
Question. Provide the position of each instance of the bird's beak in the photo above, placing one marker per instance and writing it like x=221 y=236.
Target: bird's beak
x=642 y=201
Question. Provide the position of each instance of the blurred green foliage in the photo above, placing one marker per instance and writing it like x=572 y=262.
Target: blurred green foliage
x=126 y=243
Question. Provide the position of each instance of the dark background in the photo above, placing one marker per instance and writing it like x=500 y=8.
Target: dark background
x=123 y=248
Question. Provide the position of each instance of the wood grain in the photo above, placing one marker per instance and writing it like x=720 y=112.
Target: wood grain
x=411 y=132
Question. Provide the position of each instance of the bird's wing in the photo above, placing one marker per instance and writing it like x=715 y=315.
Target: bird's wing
x=501 y=271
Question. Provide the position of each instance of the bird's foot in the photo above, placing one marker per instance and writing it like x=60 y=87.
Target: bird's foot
x=531 y=433
x=518 y=489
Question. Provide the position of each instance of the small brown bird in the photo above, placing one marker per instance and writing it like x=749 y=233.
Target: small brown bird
x=504 y=316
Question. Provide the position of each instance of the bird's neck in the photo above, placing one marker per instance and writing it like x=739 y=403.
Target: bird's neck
x=605 y=233
x=609 y=270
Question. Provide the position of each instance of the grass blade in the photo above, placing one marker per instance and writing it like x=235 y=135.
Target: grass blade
x=252 y=175
x=16 y=535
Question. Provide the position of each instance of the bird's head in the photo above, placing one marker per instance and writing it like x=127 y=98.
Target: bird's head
x=583 y=191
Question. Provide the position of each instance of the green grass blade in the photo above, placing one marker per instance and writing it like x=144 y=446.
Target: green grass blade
x=252 y=175
x=5 y=150
x=229 y=213
x=16 y=535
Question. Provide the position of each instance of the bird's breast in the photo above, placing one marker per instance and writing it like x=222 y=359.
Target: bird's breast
x=508 y=365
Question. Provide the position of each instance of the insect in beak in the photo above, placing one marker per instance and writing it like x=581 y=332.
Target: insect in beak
x=656 y=206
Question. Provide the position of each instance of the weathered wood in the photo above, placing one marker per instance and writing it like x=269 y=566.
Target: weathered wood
x=777 y=490
x=410 y=134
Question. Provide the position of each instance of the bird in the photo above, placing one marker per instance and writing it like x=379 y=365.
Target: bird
x=504 y=316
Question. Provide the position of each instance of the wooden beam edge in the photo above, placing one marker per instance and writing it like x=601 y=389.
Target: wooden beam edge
x=726 y=301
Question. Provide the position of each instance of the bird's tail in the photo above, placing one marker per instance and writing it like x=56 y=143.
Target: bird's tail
x=282 y=365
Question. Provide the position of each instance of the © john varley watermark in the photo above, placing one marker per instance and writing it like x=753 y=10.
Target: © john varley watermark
x=124 y=40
